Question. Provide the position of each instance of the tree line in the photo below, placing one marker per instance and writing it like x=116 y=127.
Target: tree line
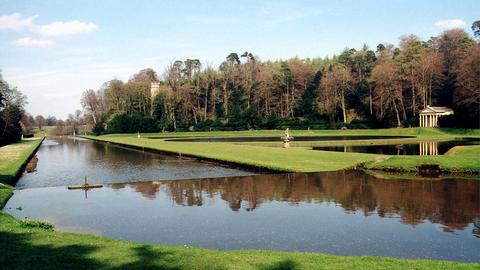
x=358 y=88
x=12 y=103
x=15 y=122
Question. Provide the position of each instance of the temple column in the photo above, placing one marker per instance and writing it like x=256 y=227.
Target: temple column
x=421 y=120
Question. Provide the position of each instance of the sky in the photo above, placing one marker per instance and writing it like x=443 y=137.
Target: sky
x=54 y=50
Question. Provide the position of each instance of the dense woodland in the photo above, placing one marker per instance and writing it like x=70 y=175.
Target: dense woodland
x=382 y=87
x=385 y=86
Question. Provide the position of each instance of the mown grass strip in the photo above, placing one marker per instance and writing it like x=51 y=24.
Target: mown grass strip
x=305 y=160
x=14 y=156
x=31 y=247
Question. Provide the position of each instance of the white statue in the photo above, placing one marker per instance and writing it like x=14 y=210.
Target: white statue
x=286 y=139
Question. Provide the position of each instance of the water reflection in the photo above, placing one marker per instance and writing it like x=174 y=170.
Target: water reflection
x=66 y=161
x=424 y=148
x=452 y=203
x=344 y=213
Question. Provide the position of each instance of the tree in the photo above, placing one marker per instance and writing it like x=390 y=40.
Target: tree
x=428 y=69
x=388 y=88
x=40 y=121
x=337 y=83
x=93 y=104
x=12 y=104
x=51 y=121
x=467 y=93
x=454 y=45
x=307 y=105
x=229 y=70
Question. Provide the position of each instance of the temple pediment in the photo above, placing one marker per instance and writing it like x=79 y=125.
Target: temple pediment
x=436 y=110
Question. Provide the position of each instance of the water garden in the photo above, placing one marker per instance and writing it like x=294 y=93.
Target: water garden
x=251 y=137
x=242 y=200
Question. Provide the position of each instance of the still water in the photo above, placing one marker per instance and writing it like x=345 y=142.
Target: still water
x=343 y=213
x=66 y=161
x=426 y=148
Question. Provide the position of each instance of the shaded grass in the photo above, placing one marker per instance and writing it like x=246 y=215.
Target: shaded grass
x=302 y=159
x=36 y=248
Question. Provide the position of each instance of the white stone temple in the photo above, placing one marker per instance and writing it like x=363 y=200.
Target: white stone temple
x=429 y=116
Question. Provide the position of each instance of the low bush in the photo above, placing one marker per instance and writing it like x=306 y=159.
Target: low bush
x=36 y=224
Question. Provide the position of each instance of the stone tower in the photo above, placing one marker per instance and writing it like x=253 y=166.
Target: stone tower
x=154 y=88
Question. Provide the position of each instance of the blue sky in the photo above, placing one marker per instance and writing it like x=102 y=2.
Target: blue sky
x=53 y=50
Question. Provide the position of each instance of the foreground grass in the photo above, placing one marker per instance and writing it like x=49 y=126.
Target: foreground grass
x=302 y=159
x=28 y=246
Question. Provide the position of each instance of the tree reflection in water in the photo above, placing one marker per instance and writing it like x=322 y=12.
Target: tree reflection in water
x=453 y=204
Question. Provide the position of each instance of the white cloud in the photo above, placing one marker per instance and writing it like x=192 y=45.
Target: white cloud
x=14 y=21
x=32 y=42
x=64 y=28
x=450 y=24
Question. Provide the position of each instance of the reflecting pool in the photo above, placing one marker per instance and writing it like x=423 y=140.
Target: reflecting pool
x=66 y=161
x=424 y=148
x=343 y=213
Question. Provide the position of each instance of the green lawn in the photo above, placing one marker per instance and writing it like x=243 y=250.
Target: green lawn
x=23 y=246
x=13 y=156
x=302 y=159
x=464 y=159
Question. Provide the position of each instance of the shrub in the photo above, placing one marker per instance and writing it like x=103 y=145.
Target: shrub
x=124 y=123
x=37 y=224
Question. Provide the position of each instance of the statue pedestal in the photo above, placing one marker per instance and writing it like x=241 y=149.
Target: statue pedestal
x=286 y=144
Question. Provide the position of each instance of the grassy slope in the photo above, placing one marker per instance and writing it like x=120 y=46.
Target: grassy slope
x=13 y=156
x=305 y=160
x=23 y=247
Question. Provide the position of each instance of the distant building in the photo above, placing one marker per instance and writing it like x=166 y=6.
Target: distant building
x=429 y=116
x=154 y=88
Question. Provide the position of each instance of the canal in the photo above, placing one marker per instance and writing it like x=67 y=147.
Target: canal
x=153 y=198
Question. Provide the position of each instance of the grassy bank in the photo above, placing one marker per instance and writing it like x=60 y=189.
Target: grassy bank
x=13 y=156
x=24 y=246
x=302 y=159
